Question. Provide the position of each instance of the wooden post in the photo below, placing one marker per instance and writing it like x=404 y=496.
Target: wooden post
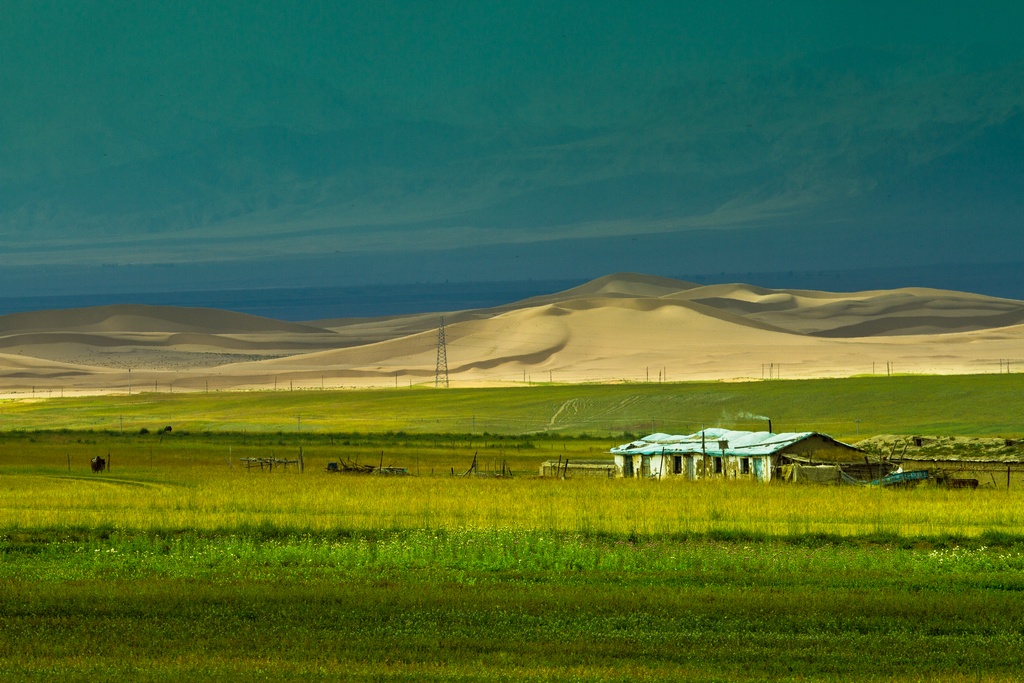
x=302 y=464
x=1007 y=477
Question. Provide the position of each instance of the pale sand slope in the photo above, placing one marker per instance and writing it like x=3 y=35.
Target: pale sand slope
x=630 y=339
x=862 y=314
x=158 y=337
x=621 y=327
x=137 y=318
x=856 y=314
x=369 y=330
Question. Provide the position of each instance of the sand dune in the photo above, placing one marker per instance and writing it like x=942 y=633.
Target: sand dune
x=137 y=318
x=30 y=367
x=862 y=314
x=619 y=284
x=831 y=314
x=369 y=330
x=622 y=327
x=156 y=337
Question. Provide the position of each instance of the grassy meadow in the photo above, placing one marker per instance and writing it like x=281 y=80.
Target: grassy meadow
x=503 y=606
x=179 y=563
x=845 y=408
x=213 y=497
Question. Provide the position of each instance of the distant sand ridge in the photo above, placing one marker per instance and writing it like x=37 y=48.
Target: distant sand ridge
x=622 y=327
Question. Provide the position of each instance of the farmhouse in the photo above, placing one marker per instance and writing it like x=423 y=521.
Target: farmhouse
x=762 y=456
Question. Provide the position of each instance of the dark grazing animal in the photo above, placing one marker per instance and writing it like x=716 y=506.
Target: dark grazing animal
x=98 y=464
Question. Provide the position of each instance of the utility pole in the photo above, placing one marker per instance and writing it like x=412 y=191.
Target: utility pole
x=442 y=357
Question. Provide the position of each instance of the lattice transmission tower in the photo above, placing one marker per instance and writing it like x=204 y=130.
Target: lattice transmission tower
x=442 y=357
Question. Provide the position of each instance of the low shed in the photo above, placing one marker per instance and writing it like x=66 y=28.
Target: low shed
x=723 y=453
x=955 y=460
x=569 y=469
x=951 y=469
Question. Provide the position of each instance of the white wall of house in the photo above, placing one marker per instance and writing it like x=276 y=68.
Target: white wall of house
x=694 y=466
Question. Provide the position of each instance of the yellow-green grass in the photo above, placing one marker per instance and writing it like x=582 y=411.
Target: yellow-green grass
x=224 y=500
x=192 y=568
x=178 y=481
x=846 y=408
x=214 y=454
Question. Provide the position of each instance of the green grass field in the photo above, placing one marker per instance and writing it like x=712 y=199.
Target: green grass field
x=178 y=564
x=503 y=606
x=846 y=408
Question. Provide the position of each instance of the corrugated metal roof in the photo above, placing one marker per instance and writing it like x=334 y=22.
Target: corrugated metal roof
x=707 y=441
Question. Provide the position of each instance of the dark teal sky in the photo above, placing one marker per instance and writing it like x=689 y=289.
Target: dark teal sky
x=473 y=139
